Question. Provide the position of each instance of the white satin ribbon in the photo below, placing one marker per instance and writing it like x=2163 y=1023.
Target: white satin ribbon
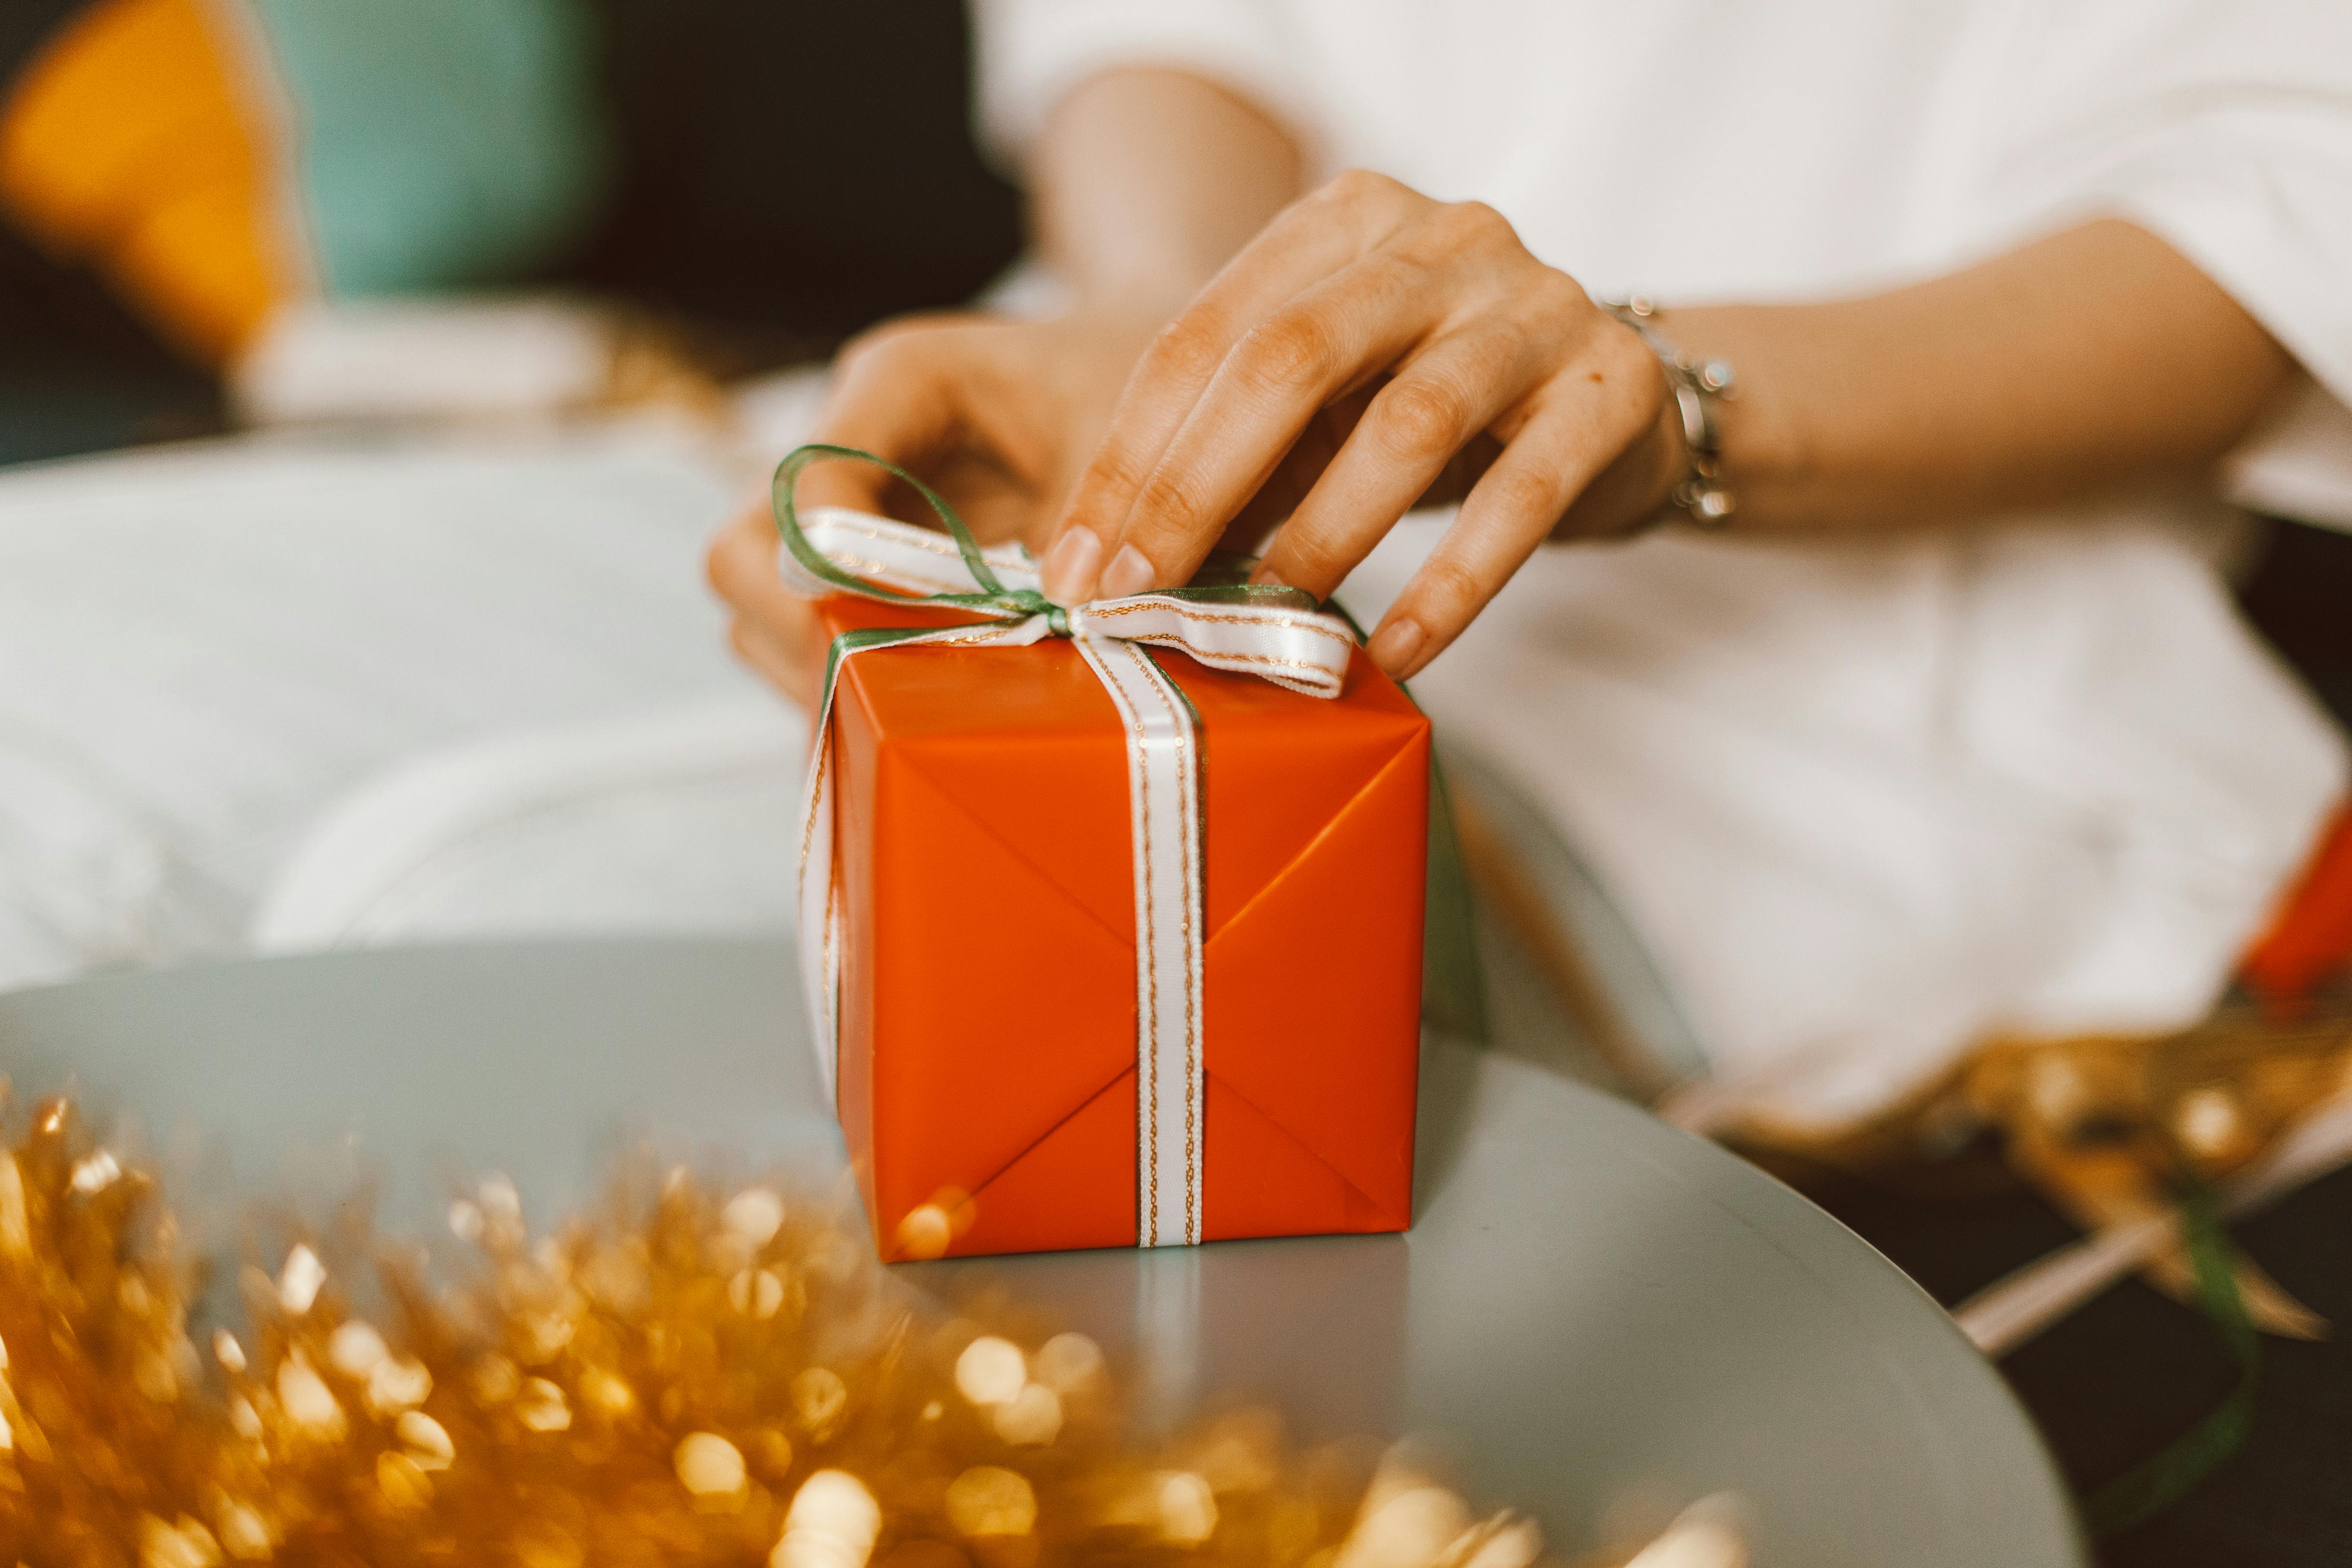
x=1163 y=785
x=1303 y=650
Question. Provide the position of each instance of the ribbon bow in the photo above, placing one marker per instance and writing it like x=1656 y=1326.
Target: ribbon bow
x=1278 y=634
x=1275 y=634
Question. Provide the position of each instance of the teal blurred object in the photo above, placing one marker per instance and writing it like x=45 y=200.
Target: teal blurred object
x=440 y=143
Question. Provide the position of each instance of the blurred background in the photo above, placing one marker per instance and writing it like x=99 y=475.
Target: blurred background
x=525 y=296
x=760 y=179
x=371 y=376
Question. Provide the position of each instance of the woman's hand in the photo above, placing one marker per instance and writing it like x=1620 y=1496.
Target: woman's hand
x=1370 y=345
x=998 y=416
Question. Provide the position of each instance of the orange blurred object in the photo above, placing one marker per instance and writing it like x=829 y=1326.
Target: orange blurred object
x=137 y=140
x=2309 y=941
x=988 y=1008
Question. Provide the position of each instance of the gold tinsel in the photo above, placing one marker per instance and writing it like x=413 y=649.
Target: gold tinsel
x=696 y=1377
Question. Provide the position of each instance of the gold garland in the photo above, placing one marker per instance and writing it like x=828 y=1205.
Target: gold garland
x=688 y=1379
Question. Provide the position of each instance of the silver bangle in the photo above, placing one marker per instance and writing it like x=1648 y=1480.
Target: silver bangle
x=1699 y=387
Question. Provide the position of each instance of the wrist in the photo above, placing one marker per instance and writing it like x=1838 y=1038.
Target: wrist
x=1762 y=448
x=1698 y=388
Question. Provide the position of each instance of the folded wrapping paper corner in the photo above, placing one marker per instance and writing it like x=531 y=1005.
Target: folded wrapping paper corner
x=1034 y=979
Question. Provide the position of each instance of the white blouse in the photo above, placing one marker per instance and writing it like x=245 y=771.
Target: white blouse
x=1867 y=801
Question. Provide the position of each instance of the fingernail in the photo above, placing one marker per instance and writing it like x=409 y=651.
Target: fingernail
x=1129 y=572
x=1069 y=575
x=1267 y=577
x=1394 y=646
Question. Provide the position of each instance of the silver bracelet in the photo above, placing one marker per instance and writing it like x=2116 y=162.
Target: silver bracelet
x=1698 y=386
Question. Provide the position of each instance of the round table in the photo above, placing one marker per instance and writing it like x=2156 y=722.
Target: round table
x=1595 y=1317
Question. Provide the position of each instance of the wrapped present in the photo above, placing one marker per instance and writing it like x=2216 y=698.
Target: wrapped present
x=1111 y=917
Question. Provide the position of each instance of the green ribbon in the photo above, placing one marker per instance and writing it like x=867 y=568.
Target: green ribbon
x=2165 y=1478
x=1221 y=581
x=1454 y=991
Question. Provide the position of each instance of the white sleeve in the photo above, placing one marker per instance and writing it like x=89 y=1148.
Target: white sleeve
x=1033 y=52
x=2225 y=127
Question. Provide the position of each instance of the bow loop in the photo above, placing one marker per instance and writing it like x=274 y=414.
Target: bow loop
x=1274 y=632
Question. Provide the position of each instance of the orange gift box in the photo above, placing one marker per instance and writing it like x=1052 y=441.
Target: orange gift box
x=988 y=1011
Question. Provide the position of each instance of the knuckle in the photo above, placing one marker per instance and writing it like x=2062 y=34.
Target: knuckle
x=1425 y=417
x=1107 y=492
x=1366 y=201
x=1170 y=505
x=1621 y=348
x=1522 y=491
x=903 y=344
x=1558 y=295
x=1289 y=351
x=1628 y=373
x=1449 y=591
x=1476 y=222
x=891 y=339
x=1311 y=557
x=1189 y=348
x=1361 y=186
x=859 y=373
x=1117 y=472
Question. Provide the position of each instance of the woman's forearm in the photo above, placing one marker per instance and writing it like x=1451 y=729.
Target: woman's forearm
x=2097 y=358
x=1145 y=182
